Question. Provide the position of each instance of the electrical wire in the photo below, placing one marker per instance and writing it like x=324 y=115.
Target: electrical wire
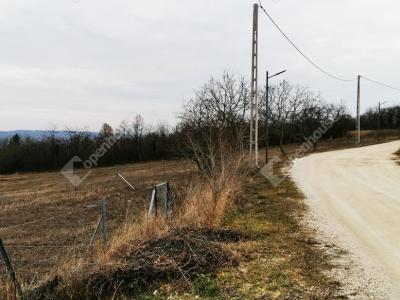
x=313 y=63
x=381 y=83
x=301 y=52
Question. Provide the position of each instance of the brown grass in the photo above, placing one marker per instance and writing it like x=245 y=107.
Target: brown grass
x=201 y=203
x=176 y=257
x=7 y=290
x=374 y=133
x=46 y=224
x=206 y=200
x=43 y=219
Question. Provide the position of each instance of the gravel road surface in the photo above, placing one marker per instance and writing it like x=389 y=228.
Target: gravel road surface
x=354 y=196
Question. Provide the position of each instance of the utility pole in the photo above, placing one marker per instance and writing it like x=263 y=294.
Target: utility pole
x=267 y=120
x=379 y=119
x=254 y=87
x=379 y=122
x=358 y=139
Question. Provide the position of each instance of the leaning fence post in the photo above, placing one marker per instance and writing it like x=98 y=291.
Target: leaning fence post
x=155 y=201
x=151 y=207
x=104 y=217
x=126 y=181
x=10 y=269
x=95 y=232
x=168 y=204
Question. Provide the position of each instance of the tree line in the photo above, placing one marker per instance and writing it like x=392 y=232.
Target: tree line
x=213 y=123
x=133 y=141
x=389 y=118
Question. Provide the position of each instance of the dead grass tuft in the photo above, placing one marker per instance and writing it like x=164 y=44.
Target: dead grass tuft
x=207 y=199
x=7 y=290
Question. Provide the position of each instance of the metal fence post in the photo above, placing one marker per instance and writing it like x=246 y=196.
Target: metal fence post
x=105 y=220
x=168 y=206
x=151 y=205
x=95 y=232
x=10 y=269
x=161 y=201
x=155 y=201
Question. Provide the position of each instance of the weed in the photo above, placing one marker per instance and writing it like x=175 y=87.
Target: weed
x=280 y=260
x=206 y=286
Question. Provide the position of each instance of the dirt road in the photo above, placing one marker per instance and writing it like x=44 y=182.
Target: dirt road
x=357 y=192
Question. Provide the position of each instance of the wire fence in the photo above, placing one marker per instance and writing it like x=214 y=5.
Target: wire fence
x=31 y=259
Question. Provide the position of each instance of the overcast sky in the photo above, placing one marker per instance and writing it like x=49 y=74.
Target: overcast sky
x=79 y=63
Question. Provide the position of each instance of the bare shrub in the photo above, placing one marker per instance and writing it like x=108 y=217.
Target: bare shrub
x=214 y=123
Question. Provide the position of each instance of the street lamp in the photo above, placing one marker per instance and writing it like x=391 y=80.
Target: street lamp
x=267 y=113
x=379 y=119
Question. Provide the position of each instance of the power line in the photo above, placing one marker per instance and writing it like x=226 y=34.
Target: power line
x=313 y=63
x=381 y=83
x=301 y=52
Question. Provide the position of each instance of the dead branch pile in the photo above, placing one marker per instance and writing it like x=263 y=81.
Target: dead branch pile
x=181 y=255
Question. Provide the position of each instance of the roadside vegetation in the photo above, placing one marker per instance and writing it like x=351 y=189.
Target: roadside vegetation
x=295 y=113
x=281 y=260
x=145 y=253
x=232 y=235
x=246 y=243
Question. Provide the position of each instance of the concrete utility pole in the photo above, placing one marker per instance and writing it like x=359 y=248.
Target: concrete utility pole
x=358 y=139
x=379 y=120
x=267 y=119
x=254 y=87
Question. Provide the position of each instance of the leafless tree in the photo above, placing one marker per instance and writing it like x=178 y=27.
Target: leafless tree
x=215 y=121
x=296 y=111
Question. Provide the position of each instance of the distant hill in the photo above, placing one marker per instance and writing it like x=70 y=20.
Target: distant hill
x=37 y=134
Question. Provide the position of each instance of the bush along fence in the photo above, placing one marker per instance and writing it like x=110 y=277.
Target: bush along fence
x=161 y=205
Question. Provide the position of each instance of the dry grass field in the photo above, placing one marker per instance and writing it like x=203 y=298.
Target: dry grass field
x=44 y=218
